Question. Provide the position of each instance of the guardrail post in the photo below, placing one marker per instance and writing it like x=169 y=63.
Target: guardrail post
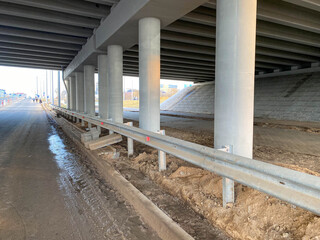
x=162 y=155
x=129 y=141
x=227 y=184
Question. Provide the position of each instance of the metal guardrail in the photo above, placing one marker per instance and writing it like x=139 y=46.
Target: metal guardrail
x=295 y=187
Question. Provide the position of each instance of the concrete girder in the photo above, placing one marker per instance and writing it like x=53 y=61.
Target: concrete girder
x=171 y=76
x=205 y=50
x=174 y=53
x=120 y=27
x=106 y=2
x=41 y=35
x=270 y=66
x=287 y=46
x=277 y=31
x=286 y=55
x=34 y=58
x=19 y=22
x=260 y=41
x=41 y=43
x=187 y=38
x=128 y=60
x=288 y=14
x=133 y=55
x=265 y=29
x=38 y=49
x=283 y=12
x=175 y=69
x=276 y=60
x=47 y=15
x=192 y=28
x=310 y=4
x=209 y=65
x=187 y=47
x=175 y=73
x=70 y=7
x=196 y=17
x=209 y=55
x=34 y=54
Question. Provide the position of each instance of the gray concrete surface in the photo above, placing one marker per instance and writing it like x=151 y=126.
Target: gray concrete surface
x=45 y=191
x=288 y=98
x=283 y=138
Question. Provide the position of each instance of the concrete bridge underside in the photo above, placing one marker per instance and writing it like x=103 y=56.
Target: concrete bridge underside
x=53 y=35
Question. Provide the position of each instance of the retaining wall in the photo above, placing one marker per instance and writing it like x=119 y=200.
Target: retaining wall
x=285 y=98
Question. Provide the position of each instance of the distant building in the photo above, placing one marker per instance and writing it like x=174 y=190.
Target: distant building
x=2 y=93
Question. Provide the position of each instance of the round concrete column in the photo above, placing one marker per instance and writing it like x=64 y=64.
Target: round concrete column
x=80 y=91
x=89 y=99
x=103 y=86
x=59 y=94
x=149 y=74
x=115 y=78
x=67 y=82
x=52 y=89
x=234 y=81
x=73 y=94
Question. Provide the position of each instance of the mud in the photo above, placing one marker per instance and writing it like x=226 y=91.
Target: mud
x=93 y=197
x=255 y=215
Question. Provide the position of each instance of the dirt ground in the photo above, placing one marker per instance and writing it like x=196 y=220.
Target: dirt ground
x=255 y=215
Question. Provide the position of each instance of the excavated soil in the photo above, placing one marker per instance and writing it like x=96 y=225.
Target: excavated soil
x=255 y=215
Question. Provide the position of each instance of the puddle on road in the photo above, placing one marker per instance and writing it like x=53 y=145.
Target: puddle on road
x=82 y=195
x=96 y=210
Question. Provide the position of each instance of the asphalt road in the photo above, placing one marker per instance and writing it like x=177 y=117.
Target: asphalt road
x=46 y=193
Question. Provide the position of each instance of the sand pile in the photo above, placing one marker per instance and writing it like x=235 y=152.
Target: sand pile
x=254 y=216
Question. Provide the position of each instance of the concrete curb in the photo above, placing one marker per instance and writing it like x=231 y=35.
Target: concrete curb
x=165 y=227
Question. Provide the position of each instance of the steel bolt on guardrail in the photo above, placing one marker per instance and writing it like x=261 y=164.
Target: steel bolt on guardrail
x=295 y=187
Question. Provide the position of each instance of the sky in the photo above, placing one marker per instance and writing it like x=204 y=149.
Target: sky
x=24 y=80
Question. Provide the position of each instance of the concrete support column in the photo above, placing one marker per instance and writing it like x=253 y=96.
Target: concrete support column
x=80 y=92
x=52 y=89
x=115 y=78
x=103 y=86
x=59 y=94
x=67 y=82
x=73 y=93
x=234 y=81
x=89 y=101
x=149 y=74
x=47 y=92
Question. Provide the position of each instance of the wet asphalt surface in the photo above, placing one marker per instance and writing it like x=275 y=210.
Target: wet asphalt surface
x=45 y=190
